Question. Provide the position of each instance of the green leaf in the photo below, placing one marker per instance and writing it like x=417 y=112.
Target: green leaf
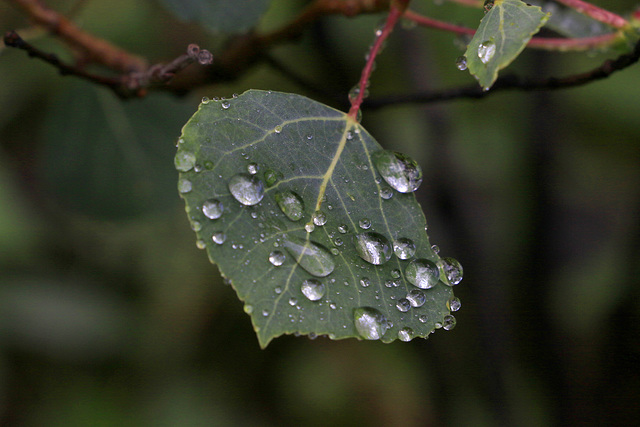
x=287 y=197
x=227 y=16
x=502 y=35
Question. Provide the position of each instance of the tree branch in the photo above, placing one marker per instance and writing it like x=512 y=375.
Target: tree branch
x=512 y=82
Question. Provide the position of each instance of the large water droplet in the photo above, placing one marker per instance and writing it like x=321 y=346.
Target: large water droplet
x=370 y=323
x=452 y=270
x=312 y=289
x=319 y=218
x=290 y=204
x=276 y=258
x=212 y=208
x=405 y=334
x=403 y=305
x=416 y=298
x=422 y=273
x=184 y=161
x=486 y=51
x=404 y=248
x=373 y=247
x=399 y=170
x=246 y=189
x=314 y=258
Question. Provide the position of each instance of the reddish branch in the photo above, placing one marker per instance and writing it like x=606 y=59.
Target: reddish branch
x=596 y=13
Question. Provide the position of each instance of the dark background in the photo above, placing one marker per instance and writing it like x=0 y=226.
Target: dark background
x=109 y=315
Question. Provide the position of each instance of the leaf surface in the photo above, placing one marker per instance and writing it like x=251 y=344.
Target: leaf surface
x=503 y=33
x=227 y=16
x=284 y=194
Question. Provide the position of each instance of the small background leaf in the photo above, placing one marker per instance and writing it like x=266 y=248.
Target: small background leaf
x=502 y=35
x=227 y=16
x=325 y=158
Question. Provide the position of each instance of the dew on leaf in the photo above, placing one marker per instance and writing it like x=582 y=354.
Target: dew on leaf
x=404 y=248
x=184 y=185
x=276 y=258
x=252 y=168
x=372 y=247
x=309 y=227
x=312 y=289
x=416 y=298
x=422 y=273
x=403 y=305
x=248 y=308
x=395 y=273
x=277 y=129
x=246 y=189
x=400 y=171
x=212 y=208
x=370 y=323
x=435 y=249
x=449 y=322
x=293 y=301
x=452 y=270
x=270 y=177
x=265 y=312
x=405 y=334
x=184 y=161
x=365 y=282
x=365 y=223
x=200 y=244
x=461 y=63
x=319 y=218
x=314 y=258
x=486 y=51
x=205 y=100
x=196 y=226
x=342 y=229
x=423 y=318
x=290 y=204
x=225 y=104
x=386 y=193
x=218 y=237
x=454 y=304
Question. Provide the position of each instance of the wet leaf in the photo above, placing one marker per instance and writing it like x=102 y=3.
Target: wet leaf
x=313 y=238
x=227 y=16
x=503 y=33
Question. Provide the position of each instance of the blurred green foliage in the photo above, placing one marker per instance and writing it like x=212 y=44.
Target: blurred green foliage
x=108 y=319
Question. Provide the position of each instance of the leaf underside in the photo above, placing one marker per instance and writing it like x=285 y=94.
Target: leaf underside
x=324 y=158
x=503 y=33
x=227 y=16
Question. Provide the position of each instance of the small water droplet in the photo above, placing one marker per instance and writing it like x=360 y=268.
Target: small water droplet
x=400 y=171
x=449 y=322
x=435 y=249
x=225 y=105
x=200 y=244
x=391 y=284
x=196 y=226
x=293 y=301
x=365 y=223
x=208 y=165
x=312 y=289
x=314 y=258
x=403 y=305
x=343 y=229
x=205 y=100
x=184 y=161
x=278 y=290
x=276 y=258
x=461 y=63
x=395 y=273
x=246 y=189
x=404 y=248
x=265 y=312
x=373 y=247
x=424 y=318
x=248 y=308
x=416 y=298
x=277 y=129
x=252 y=168
x=370 y=323
x=270 y=177
x=386 y=193
x=319 y=218
x=452 y=270
x=309 y=227
x=454 y=304
x=486 y=51
x=365 y=282
x=212 y=208
x=422 y=273
x=338 y=242
x=184 y=185
x=218 y=237
x=405 y=334
x=290 y=204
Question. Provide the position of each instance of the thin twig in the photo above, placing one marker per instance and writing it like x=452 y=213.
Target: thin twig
x=512 y=82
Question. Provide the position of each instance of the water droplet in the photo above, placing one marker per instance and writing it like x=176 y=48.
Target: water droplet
x=416 y=298
x=370 y=323
x=365 y=282
x=225 y=104
x=246 y=189
x=276 y=258
x=365 y=223
x=314 y=258
x=184 y=185
x=343 y=229
x=405 y=334
x=403 y=305
x=452 y=271
x=265 y=312
x=395 y=273
x=290 y=204
x=248 y=308
x=312 y=289
x=196 y=226
x=218 y=237
x=338 y=242
x=293 y=301
x=449 y=322
x=404 y=248
x=435 y=249
x=208 y=165
x=319 y=218
x=205 y=100
x=277 y=129
x=386 y=193
x=454 y=304
x=461 y=63
x=252 y=168
x=200 y=244
x=400 y=171
x=212 y=208
x=309 y=227
x=278 y=290
x=486 y=51
x=184 y=161
x=270 y=177
x=373 y=247
x=422 y=273
x=424 y=318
